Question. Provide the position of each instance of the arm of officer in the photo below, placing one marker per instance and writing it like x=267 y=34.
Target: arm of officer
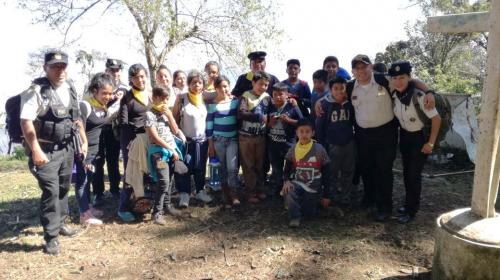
x=37 y=155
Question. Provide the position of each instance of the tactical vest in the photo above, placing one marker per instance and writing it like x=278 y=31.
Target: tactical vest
x=55 y=123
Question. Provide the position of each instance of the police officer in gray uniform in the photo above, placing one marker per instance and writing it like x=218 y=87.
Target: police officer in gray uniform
x=50 y=118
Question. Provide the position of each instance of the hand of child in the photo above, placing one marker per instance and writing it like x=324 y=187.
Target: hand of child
x=318 y=110
x=284 y=118
x=287 y=186
x=293 y=101
x=325 y=202
x=429 y=101
x=175 y=156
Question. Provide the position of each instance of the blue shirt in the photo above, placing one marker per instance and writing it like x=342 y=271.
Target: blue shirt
x=279 y=131
x=343 y=73
x=315 y=96
x=336 y=126
x=222 y=119
x=301 y=92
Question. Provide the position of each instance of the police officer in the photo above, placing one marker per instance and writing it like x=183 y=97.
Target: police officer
x=414 y=143
x=244 y=82
x=110 y=137
x=50 y=118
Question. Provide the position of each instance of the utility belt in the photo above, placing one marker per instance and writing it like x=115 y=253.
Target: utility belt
x=56 y=146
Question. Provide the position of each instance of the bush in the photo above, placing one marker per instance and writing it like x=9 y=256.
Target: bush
x=19 y=154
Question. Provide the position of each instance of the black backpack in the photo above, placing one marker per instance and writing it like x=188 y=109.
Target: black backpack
x=13 y=120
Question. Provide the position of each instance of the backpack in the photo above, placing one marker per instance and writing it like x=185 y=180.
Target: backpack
x=443 y=107
x=13 y=120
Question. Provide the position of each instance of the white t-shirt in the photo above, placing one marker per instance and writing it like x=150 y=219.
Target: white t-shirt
x=372 y=104
x=32 y=105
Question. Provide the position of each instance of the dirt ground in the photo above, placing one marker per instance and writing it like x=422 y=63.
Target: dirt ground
x=216 y=243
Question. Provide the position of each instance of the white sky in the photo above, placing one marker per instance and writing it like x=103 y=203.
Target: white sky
x=313 y=30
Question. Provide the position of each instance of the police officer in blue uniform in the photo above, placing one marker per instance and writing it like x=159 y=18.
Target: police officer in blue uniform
x=50 y=120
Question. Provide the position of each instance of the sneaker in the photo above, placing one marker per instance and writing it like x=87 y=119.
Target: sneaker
x=183 y=200
x=86 y=218
x=96 y=212
x=173 y=211
x=52 y=247
x=203 y=196
x=126 y=216
x=65 y=230
x=295 y=223
x=159 y=219
x=235 y=202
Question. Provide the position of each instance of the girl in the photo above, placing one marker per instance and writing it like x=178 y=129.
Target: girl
x=212 y=71
x=180 y=81
x=132 y=116
x=94 y=115
x=190 y=112
x=222 y=132
x=414 y=144
x=164 y=79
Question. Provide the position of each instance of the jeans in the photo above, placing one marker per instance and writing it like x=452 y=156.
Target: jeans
x=301 y=203
x=226 y=150
x=112 y=154
x=197 y=153
x=82 y=187
x=277 y=152
x=163 y=189
x=342 y=169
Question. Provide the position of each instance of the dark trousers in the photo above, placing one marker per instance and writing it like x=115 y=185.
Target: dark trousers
x=163 y=191
x=54 y=179
x=196 y=161
x=112 y=154
x=342 y=169
x=301 y=204
x=410 y=145
x=276 y=153
x=377 y=151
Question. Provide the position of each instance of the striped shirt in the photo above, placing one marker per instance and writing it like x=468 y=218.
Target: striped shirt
x=222 y=119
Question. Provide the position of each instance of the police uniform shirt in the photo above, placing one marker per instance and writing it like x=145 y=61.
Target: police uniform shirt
x=372 y=104
x=407 y=114
x=32 y=106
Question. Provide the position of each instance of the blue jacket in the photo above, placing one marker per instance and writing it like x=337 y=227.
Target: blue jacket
x=336 y=126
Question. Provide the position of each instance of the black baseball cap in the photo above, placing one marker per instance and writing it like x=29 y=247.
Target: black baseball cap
x=257 y=55
x=114 y=63
x=360 y=58
x=53 y=57
x=400 y=67
x=293 y=61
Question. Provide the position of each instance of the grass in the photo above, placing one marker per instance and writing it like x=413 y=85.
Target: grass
x=215 y=243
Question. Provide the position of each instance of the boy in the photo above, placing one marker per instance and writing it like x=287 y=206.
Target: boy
x=252 y=113
x=298 y=89
x=160 y=128
x=306 y=175
x=331 y=65
x=320 y=89
x=335 y=132
x=283 y=117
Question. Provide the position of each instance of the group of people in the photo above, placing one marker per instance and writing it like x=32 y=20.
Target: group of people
x=314 y=142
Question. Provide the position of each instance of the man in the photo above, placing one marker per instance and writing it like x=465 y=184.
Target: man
x=50 y=119
x=111 y=142
x=244 y=82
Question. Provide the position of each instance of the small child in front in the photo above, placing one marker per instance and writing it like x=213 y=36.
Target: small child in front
x=161 y=127
x=306 y=175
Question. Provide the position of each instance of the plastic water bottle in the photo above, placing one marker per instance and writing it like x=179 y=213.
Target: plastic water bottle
x=213 y=170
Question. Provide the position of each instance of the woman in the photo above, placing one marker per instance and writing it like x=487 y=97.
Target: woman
x=222 y=132
x=180 y=81
x=164 y=78
x=414 y=142
x=191 y=113
x=212 y=72
x=132 y=115
x=95 y=116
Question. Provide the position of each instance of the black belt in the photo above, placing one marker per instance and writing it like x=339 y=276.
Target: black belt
x=54 y=146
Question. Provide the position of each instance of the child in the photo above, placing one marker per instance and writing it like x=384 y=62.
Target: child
x=212 y=71
x=222 y=134
x=191 y=113
x=164 y=78
x=320 y=89
x=335 y=132
x=298 y=89
x=306 y=175
x=283 y=117
x=180 y=81
x=161 y=128
x=331 y=65
x=94 y=115
x=252 y=113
